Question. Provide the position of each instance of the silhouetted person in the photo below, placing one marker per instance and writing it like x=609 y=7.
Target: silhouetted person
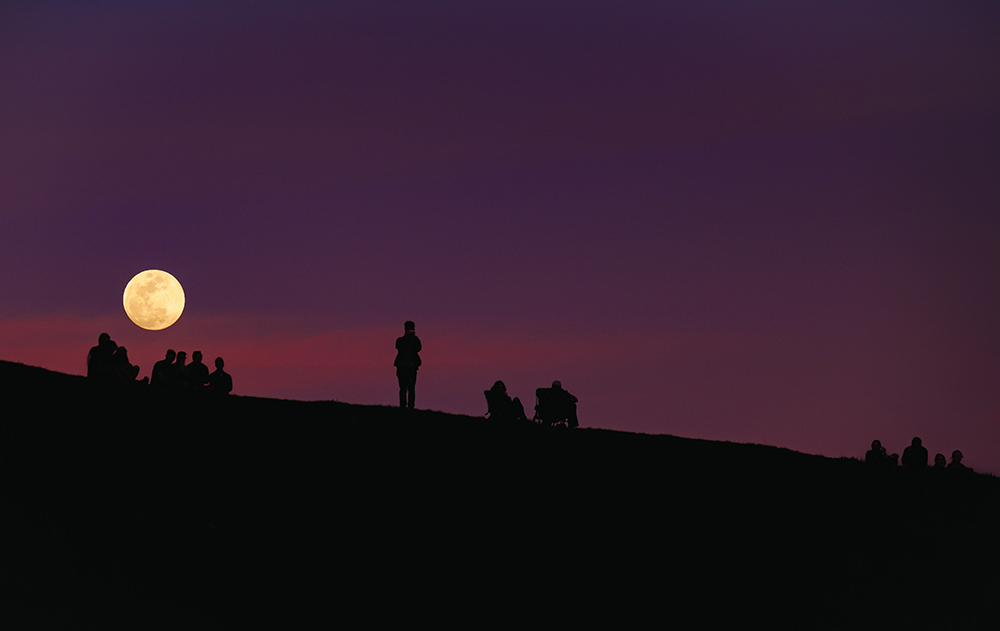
x=956 y=462
x=873 y=457
x=219 y=382
x=178 y=371
x=99 y=358
x=197 y=372
x=566 y=400
x=940 y=464
x=555 y=405
x=915 y=456
x=122 y=369
x=162 y=375
x=407 y=362
x=878 y=459
x=501 y=406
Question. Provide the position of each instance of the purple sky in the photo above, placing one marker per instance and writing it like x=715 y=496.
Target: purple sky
x=762 y=222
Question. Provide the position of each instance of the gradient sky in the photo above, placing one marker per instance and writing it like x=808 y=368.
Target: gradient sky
x=770 y=222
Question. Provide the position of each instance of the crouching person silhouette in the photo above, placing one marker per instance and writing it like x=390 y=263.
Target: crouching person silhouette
x=501 y=406
x=407 y=362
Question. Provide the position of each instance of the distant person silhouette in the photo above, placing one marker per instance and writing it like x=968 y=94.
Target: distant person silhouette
x=940 y=463
x=197 y=372
x=956 y=462
x=100 y=357
x=219 y=382
x=178 y=371
x=407 y=363
x=122 y=369
x=501 y=406
x=162 y=375
x=567 y=400
x=915 y=456
x=878 y=459
x=556 y=405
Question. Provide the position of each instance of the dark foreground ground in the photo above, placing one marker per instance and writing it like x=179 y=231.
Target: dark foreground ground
x=158 y=512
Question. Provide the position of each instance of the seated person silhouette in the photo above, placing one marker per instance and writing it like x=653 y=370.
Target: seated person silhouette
x=99 y=358
x=915 y=456
x=162 y=375
x=196 y=373
x=178 y=371
x=219 y=382
x=122 y=370
x=501 y=406
x=956 y=463
x=556 y=406
x=878 y=459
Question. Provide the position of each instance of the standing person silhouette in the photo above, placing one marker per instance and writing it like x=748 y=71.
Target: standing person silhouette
x=407 y=362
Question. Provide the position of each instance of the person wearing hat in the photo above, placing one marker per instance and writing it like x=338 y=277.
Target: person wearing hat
x=956 y=462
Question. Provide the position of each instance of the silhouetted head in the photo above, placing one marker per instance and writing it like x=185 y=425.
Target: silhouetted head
x=956 y=456
x=103 y=338
x=121 y=353
x=939 y=460
x=196 y=356
x=181 y=357
x=916 y=442
x=876 y=445
x=557 y=385
x=409 y=326
x=170 y=355
x=500 y=386
x=219 y=363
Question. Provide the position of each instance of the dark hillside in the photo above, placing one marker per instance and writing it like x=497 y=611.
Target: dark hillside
x=243 y=512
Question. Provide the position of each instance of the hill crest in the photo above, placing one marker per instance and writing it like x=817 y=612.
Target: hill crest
x=232 y=510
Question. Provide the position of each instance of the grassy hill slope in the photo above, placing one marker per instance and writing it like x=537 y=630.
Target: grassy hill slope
x=136 y=507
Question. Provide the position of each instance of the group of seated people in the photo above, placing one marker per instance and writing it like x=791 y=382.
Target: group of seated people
x=555 y=406
x=173 y=373
x=914 y=458
x=109 y=363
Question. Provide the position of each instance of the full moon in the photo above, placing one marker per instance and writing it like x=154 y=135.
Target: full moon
x=153 y=299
